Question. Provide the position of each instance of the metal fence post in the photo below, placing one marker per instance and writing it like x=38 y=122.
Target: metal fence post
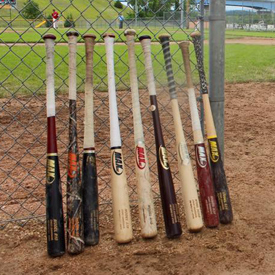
x=216 y=65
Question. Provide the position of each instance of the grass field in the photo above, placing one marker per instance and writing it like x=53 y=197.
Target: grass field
x=243 y=63
x=35 y=35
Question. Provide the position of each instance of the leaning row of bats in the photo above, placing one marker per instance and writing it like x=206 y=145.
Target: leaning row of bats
x=212 y=207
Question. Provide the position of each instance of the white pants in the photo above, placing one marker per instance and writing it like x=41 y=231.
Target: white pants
x=55 y=21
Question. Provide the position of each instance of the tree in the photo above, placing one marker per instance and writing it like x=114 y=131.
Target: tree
x=31 y=10
x=69 y=22
x=118 y=5
x=49 y=21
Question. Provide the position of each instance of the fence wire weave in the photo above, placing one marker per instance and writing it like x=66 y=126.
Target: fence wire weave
x=23 y=101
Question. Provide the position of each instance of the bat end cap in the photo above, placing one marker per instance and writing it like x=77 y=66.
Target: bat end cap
x=164 y=36
x=89 y=35
x=130 y=32
x=144 y=37
x=195 y=34
x=49 y=36
x=72 y=34
x=108 y=35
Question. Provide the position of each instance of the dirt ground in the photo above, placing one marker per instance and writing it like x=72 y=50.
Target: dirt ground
x=247 y=246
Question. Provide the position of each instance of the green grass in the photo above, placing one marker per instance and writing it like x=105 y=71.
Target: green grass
x=24 y=35
x=77 y=8
x=243 y=63
x=241 y=33
x=35 y=35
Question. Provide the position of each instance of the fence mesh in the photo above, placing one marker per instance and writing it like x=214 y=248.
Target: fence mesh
x=22 y=91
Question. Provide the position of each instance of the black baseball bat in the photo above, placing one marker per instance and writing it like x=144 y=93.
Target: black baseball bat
x=54 y=208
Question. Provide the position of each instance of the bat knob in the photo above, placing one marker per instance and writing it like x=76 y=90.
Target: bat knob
x=72 y=34
x=89 y=35
x=164 y=37
x=49 y=36
x=195 y=34
x=108 y=35
x=130 y=32
x=144 y=37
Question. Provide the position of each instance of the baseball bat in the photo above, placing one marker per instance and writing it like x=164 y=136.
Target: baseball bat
x=120 y=196
x=89 y=175
x=75 y=238
x=206 y=187
x=54 y=208
x=188 y=185
x=146 y=207
x=216 y=163
x=167 y=191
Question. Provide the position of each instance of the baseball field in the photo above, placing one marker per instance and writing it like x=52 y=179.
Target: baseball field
x=244 y=247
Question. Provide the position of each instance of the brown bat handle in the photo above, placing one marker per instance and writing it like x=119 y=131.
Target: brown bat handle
x=184 y=46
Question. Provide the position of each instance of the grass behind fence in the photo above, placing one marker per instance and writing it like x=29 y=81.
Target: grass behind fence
x=243 y=63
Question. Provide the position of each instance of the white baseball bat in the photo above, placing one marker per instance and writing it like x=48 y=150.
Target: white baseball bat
x=120 y=196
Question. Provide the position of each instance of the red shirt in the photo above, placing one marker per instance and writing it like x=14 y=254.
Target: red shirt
x=55 y=15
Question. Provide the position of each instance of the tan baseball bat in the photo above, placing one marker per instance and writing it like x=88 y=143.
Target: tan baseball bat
x=188 y=185
x=120 y=196
x=147 y=215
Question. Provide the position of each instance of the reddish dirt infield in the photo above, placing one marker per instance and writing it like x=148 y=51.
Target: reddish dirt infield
x=245 y=247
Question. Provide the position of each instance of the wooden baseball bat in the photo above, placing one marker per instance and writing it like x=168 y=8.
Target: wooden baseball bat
x=89 y=175
x=216 y=163
x=54 y=208
x=207 y=193
x=167 y=191
x=75 y=233
x=147 y=215
x=120 y=196
x=188 y=185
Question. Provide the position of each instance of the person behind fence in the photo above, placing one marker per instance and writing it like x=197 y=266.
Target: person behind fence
x=55 y=16
x=121 y=19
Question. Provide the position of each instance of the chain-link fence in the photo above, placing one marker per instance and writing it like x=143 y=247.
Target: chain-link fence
x=22 y=90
